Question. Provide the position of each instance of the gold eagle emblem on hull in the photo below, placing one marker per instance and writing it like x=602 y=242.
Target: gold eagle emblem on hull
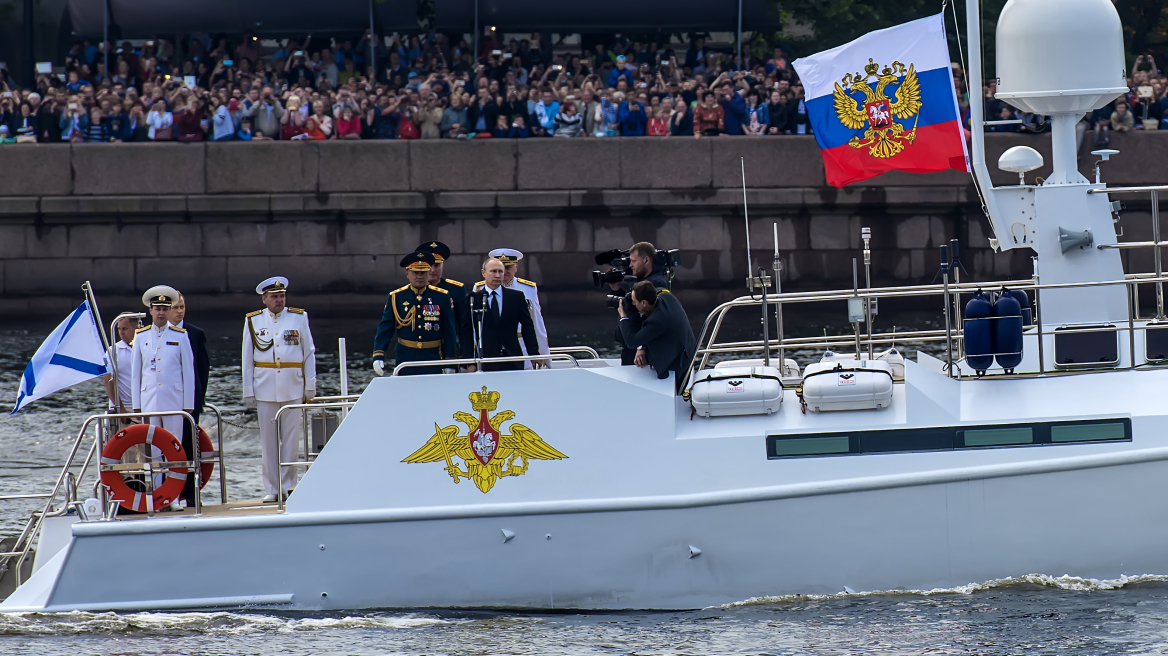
x=486 y=453
x=884 y=136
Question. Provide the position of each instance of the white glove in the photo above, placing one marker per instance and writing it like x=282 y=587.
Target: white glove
x=309 y=394
x=249 y=401
x=379 y=367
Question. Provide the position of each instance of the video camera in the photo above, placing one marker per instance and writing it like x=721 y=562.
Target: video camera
x=619 y=266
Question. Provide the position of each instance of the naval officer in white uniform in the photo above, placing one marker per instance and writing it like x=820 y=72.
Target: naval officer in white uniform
x=162 y=365
x=510 y=259
x=279 y=369
x=162 y=369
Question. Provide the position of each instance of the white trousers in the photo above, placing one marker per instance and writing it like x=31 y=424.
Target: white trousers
x=288 y=443
x=172 y=424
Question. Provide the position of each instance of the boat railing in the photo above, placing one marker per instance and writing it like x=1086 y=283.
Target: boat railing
x=1156 y=244
x=68 y=480
x=307 y=408
x=866 y=342
x=575 y=349
x=478 y=362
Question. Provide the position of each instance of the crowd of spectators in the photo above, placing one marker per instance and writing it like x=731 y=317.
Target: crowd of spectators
x=1143 y=107
x=421 y=87
x=431 y=87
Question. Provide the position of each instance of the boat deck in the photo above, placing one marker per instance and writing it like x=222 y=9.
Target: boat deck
x=230 y=509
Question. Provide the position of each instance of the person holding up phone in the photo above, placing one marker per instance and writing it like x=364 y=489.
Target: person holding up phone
x=621 y=70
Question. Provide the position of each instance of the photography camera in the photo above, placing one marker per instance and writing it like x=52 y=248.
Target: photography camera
x=619 y=267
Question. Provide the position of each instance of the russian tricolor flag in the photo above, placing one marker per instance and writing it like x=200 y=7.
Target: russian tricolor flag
x=885 y=102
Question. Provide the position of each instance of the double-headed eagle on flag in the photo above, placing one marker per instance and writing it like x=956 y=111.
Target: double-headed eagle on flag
x=884 y=137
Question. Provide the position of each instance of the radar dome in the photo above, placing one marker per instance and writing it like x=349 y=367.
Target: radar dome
x=1060 y=56
x=1020 y=159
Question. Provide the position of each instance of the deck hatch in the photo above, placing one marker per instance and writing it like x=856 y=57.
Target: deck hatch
x=948 y=438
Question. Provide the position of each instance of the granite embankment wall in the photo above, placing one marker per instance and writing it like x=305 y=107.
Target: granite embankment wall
x=335 y=217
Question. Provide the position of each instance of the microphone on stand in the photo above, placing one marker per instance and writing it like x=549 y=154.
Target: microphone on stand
x=478 y=309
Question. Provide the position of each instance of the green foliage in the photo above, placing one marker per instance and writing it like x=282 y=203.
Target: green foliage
x=1145 y=26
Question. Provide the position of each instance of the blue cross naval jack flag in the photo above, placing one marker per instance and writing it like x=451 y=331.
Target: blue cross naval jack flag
x=72 y=354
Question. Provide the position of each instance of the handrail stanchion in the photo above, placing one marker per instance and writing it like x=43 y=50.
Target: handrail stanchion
x=777 y=265
x=1156 y=251
x=1034 y=316
x=222 y=457
x=1131 y=332
x=307 y=437
x=198 y=460
x=101 y=492
x=343 y=360
x=948 y=319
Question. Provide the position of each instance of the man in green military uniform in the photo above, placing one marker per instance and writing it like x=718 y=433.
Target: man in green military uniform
x=456 y=291
x=418 y=320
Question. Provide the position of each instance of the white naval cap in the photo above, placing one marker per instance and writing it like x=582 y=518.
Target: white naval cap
x=273 y=284
x=163 y=295
x=506 y=255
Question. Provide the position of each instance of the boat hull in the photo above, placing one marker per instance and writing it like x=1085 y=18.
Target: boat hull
x=1095 y=522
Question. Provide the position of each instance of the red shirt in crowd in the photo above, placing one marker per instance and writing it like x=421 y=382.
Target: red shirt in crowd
x=706 y=118
x=343 y=127
x=188 y=126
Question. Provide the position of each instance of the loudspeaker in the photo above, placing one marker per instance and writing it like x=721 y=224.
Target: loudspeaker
x=1069 y=239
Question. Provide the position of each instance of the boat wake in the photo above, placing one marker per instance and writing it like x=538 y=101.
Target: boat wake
x=217 y=623
x=1064 y=582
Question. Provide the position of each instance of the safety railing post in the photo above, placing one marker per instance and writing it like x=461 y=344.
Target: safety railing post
x=1156 y=251
x=222 y=459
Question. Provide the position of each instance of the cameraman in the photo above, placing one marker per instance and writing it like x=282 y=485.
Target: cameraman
x=642 y=264
x=659 y=330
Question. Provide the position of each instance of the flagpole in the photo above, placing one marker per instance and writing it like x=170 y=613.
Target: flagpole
x=88 y=289
x=96 y=316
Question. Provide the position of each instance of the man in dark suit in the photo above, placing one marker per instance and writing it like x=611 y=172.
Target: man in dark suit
x=504 y=316
x=659 y=330
x=177 y=316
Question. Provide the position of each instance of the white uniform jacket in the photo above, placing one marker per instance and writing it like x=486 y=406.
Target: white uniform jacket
x=162 y=370
x=529 y=290
x=279 y=359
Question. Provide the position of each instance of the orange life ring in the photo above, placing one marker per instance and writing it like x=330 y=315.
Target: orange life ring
x=157 y=436
x=206 y=452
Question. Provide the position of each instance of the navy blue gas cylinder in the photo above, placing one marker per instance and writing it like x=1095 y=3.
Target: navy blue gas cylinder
x=979 y=333
x=1008 y=330
x=1024 y=302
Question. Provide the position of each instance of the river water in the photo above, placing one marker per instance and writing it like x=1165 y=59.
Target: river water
x=1036 y=613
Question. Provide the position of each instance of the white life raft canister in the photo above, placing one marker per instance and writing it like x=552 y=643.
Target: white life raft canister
x=848 y=385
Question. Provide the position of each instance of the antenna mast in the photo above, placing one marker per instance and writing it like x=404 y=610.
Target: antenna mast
x=746 y=217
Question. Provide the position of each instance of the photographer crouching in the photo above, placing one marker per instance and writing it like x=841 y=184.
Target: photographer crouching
x=642 y=262
x=658 y=330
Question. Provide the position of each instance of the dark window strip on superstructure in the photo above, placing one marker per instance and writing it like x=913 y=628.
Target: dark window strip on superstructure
x=948 y=438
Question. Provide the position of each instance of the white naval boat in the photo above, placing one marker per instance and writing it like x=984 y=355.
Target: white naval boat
x=522 y=489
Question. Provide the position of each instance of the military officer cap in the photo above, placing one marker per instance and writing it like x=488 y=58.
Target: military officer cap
x=418 y=261
x=506 y=255
x=160 y=296
x=273 y=284
x=440 y=251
